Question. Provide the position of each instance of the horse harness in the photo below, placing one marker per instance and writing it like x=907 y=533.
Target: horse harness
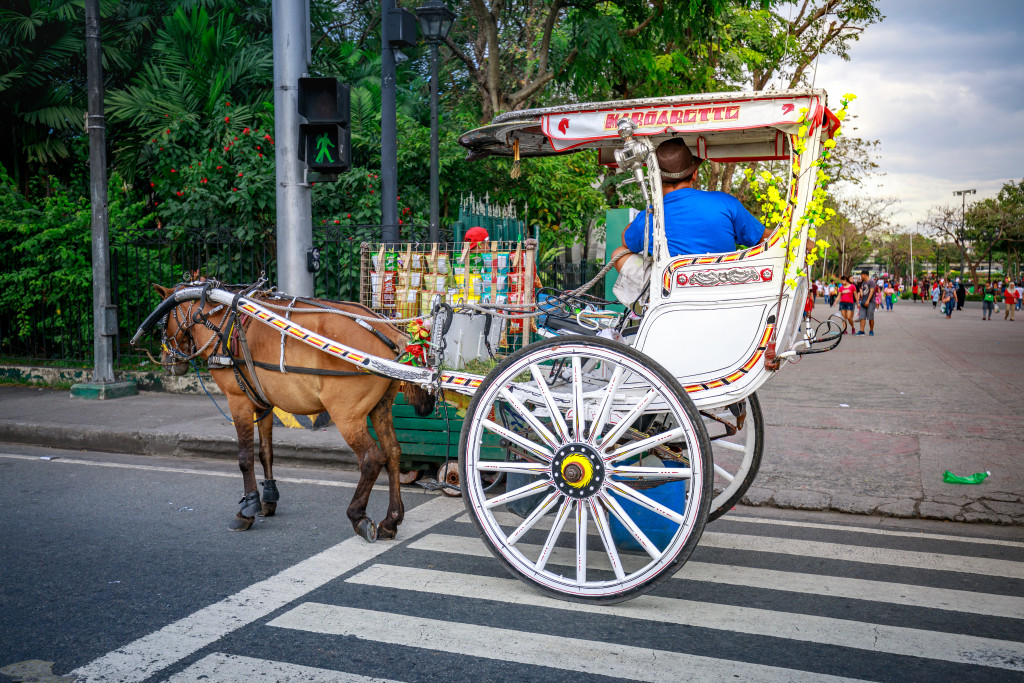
x=230 y=336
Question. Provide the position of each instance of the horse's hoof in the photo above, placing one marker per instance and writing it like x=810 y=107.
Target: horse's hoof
x=385 y=533
x=366 y=528
x=240 y=523
x=268 y=509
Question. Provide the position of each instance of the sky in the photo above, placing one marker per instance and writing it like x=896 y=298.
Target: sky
x=941 y=84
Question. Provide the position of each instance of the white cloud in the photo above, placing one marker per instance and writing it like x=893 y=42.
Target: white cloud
x=941 y=85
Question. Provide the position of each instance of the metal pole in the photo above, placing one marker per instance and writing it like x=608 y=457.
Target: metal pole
x=388 y=132
x=435 y=200
x=104 y=315
x=294 y=210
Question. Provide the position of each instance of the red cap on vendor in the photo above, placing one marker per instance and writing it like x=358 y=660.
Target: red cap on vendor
x=475 y=236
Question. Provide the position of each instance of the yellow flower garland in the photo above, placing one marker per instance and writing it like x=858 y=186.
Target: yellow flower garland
x=776 y=208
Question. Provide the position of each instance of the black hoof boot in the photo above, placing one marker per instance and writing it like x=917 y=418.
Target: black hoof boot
x=366 y=528
x=248 y=507
x=270 y=497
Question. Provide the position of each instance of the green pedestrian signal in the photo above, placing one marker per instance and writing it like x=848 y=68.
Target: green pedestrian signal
x=325 y=147
x=322 y=143
x=324 y=137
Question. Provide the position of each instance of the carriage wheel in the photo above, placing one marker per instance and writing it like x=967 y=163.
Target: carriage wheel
x=605 y=520
x=737 y=456
x=448 y=472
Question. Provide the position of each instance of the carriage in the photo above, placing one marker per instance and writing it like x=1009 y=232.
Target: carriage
x=625 y=433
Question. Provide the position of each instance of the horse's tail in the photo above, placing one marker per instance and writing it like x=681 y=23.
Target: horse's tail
x=419 y=398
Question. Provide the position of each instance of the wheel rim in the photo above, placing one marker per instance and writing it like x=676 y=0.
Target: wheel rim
x=733 y=454
x=589 y=475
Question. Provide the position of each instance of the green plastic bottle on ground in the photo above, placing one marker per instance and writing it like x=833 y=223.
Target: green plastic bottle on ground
x=975 y=478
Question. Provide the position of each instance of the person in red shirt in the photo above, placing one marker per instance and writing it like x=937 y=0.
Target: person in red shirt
x=1010 y=299
x=913 y=292
x=847 y=297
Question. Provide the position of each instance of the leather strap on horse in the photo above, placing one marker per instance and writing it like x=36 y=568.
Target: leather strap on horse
x=310 y=371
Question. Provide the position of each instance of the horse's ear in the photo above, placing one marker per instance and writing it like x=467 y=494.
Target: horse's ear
x=164 y=292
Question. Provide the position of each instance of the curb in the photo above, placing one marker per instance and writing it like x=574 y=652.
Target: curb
x=172 y=444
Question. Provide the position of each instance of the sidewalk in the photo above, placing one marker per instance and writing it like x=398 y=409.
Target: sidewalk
x=152 y=423
x=924 y=395
x=871 y=426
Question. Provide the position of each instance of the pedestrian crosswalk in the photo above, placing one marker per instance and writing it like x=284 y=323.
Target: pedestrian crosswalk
x=761 y=599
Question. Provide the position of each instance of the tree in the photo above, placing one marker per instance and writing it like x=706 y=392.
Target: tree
x=972 y=234
x=851 y=230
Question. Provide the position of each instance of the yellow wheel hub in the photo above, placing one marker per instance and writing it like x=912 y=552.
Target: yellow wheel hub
x=577 y=470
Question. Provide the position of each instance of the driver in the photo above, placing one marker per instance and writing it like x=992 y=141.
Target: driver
x=696 y=222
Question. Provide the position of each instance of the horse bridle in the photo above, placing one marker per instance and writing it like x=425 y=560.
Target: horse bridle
x=171 y=344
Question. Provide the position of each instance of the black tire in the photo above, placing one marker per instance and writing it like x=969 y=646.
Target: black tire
x=684 y=538
x=756 y=422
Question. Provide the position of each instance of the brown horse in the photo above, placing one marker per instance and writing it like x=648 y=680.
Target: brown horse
x=314 y=382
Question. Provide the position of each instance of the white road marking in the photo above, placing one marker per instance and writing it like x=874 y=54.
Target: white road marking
x=187 y=470
x=224 y=668
x=832 y=551
x=771 y=579
x=857 y=553
x=505 y=645
x=147 y=655
x=928 y=536
x=897 y=640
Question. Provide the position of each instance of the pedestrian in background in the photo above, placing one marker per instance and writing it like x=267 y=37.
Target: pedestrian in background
x=913 y=292
x=890 y=297
x=1020 y=292
x=988 y=301
x=1010 y=299
x=948 y=300
x=961 y=294
x=936 y=294
x=868 y=294
x=847 y=292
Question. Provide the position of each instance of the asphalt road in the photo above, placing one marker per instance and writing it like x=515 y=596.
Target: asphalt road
x=120 y=568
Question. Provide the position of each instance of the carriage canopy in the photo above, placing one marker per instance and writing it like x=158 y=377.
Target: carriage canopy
x=735 y=126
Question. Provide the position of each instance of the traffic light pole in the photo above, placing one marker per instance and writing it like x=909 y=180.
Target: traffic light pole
x=294 y=210
x=388 y=131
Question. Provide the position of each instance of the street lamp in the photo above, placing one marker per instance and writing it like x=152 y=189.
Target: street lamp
x=435 y=22
x=963 y=223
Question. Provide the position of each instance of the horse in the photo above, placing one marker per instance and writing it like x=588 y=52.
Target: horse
x=246 y=360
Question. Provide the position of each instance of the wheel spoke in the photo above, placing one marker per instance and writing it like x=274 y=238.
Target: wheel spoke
x=531 y=419
x=537 y=450
x=656 y=472
x=645 y=444
x=643 y=501
x=581 y=543
x=723 y=473
x=601 y=522
x=521 y=492
x=606 y=405
x=549 y=545
x=740 y=448
x=627 y=521
x=534 y=517
x=549 y=403
x=627 y=421
x=579 y=420
x=513 y=467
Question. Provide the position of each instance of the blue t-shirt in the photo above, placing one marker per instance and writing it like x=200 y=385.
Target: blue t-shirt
x=699 y=222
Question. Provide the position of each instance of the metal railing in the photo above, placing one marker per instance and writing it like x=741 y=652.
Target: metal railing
x=60 y=330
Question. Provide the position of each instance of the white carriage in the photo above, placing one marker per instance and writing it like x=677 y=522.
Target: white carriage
x=609 y=440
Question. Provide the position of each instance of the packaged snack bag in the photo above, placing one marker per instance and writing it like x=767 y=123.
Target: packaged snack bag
x=501 y=263
x=406 y=302
x=487 y=262
x=416 y=261
x=443 y=263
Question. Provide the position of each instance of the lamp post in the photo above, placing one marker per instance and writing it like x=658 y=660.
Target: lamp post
x=435 y=22
x=963 y=222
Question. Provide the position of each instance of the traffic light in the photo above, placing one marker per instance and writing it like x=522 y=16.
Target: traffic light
x=324 y=140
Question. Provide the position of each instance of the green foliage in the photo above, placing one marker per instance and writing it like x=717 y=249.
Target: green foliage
x=217 y=170
x=37 y=234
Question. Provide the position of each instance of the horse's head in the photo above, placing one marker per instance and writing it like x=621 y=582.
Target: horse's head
x=178 y=345
x=419 y=398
